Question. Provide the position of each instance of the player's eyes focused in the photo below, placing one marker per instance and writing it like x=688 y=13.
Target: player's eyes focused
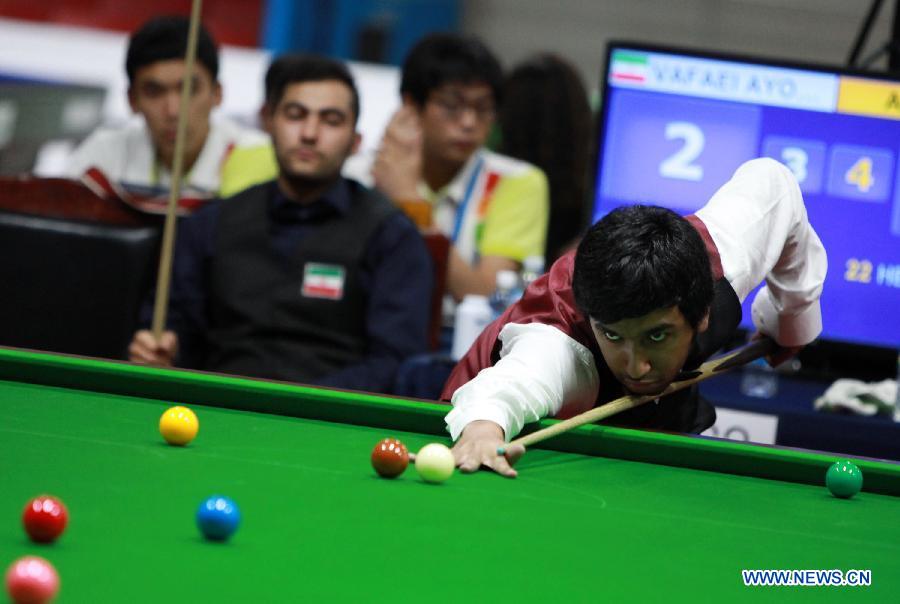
x=612 y=337
x=657 y=336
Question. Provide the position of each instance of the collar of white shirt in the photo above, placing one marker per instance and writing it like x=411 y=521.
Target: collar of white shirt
x=455 y=190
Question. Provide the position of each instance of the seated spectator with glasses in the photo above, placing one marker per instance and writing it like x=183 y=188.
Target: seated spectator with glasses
x=433 y=164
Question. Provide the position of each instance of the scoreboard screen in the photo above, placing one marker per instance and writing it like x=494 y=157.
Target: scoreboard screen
x=676 y=124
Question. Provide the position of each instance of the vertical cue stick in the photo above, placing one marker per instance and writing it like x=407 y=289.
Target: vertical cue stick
x=735 y=358
x=160 y=305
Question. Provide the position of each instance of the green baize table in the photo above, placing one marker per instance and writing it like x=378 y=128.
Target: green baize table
x=599 y=514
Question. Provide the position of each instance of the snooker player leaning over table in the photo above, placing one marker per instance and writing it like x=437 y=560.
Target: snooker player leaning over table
x=647 y=294
x=310 y=277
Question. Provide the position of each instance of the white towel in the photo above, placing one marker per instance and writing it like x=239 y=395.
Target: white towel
x=862 y=398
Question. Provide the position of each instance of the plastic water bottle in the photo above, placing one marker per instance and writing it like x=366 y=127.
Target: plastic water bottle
x=532 y=268
x=507 y=291
x=473 y=314
x=759 y=380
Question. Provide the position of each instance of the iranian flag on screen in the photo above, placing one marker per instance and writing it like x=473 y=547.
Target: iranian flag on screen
x=629 y=67
x=323 y=281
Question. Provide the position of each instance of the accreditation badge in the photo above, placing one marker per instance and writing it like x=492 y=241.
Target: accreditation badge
x=323 y=281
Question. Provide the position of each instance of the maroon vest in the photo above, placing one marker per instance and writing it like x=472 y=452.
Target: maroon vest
x=550 y=301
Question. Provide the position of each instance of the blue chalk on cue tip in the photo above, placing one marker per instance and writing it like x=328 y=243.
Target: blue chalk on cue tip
x=501 y=451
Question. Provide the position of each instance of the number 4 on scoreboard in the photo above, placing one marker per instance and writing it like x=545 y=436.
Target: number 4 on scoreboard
x=860 y=174
x=863 y=173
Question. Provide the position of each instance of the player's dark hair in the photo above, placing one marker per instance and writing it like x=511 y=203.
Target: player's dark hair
x=297 y=68
x=165 y=38
x=442 y=58
x=639 y=259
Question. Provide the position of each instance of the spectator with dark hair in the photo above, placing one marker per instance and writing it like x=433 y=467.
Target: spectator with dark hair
x=646 y=294
x=432 y=162
x=137 y=157
x=545 y=119
x=309 y=278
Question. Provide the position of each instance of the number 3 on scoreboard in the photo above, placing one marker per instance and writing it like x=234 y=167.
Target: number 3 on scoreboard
x=860 y=174
x=797 y=160
x=680 y=164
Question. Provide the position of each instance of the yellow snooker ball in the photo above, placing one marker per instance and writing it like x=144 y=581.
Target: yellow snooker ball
x=178 y=425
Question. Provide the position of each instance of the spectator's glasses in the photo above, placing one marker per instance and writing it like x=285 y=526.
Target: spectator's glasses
x=454 y=108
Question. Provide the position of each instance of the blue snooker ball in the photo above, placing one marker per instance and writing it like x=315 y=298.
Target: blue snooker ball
x=218 y=518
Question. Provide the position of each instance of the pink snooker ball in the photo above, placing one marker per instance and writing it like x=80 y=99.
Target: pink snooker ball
x=32 y=580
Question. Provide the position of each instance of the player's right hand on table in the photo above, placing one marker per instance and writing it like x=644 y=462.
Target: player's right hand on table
x=477 y=446
x=145 y=349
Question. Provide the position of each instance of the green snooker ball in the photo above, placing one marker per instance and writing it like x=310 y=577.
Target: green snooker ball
x=843 y=479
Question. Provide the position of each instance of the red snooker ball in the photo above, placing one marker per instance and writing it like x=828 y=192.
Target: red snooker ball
x=45 y=518
x=31 y=580
x=389 y=458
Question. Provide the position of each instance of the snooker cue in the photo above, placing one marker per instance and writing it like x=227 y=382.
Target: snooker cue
x=735 y=358
x=164 y=276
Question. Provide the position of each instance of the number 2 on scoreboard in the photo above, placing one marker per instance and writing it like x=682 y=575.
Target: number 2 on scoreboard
x=680 y=164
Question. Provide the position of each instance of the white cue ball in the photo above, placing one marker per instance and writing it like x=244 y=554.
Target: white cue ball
x=434 y=463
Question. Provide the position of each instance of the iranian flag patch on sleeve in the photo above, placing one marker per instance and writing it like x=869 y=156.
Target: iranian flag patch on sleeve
x=323 y=281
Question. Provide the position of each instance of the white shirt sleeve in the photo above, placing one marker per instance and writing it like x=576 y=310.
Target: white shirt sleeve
x=760 y=227
x=540 y=367
x=91 y=153
x=123 y=153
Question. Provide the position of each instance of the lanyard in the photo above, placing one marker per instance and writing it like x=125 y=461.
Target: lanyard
x=470 y=188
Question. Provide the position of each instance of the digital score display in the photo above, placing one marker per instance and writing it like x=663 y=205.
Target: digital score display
x=675 y=125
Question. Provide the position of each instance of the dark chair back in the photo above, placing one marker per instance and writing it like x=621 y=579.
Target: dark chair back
x=439 y=248
x=74 y=267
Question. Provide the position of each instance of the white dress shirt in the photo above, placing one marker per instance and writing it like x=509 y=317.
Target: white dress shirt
x=126 y=155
